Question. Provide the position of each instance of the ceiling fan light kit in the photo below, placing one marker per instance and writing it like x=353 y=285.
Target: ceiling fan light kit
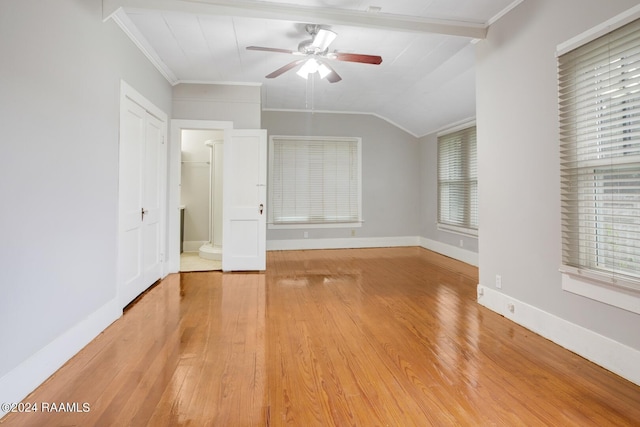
x=316 y=50
x=312 y=66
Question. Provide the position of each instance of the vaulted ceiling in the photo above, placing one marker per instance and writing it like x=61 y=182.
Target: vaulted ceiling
x=425 y=82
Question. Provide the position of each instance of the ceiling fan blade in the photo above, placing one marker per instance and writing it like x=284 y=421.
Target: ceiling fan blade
x=356 y=57
x=323 y=39
x=284 y=69
x=270 y=49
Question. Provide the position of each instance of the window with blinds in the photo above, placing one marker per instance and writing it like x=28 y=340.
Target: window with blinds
x=599 y=107
x=458 y=181
x=314 y=181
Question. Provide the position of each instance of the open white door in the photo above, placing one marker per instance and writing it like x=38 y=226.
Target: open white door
x=244 y=195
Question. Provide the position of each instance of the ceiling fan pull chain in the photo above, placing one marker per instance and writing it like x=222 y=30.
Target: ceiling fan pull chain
x=306 y=95
x=313 y=91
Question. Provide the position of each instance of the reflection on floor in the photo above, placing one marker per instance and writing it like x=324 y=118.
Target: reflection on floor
x=190 y=261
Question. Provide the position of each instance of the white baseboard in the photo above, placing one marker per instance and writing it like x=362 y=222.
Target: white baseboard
x=375 y=242
x=612 y=355
x=26 y=377
x=347 y=243
x=192 y=245
x=450 y=251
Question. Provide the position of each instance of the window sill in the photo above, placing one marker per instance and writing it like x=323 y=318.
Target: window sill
x=458 y=230
x=601 y=292
x=318 y=225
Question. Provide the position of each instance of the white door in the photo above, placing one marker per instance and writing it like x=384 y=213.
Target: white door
x=244 y=195
x=152 y=197
x=140 y=200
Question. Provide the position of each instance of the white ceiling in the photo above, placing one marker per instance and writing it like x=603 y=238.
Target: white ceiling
x=425 y=82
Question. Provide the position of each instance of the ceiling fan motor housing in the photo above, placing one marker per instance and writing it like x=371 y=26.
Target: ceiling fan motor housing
x=307 y=48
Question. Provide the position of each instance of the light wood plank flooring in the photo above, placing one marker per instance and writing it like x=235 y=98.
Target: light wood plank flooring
x=369 y=337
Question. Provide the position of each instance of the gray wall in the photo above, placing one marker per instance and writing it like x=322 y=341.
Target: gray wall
x=59 y=120
x=240 y=104
x=518 y=160
x=390 y=171
x=429 y=199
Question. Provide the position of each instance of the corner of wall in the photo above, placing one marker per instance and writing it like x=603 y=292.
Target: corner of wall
x=612 y=355
x=450 y=251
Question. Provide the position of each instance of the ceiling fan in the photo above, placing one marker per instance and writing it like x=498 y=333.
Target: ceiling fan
x=315 y=52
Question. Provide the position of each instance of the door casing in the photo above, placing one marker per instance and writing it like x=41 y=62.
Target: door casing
x=149 y=254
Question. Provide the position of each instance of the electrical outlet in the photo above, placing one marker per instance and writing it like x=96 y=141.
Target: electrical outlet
x=498 y=281
x=511 y=307
x=353 y=233
x=461 y=243
x=306 y=234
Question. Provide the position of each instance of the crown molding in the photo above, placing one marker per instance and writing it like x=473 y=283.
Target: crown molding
x=326 y=15
x=127 y=26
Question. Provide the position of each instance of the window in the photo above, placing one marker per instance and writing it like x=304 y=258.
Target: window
x=314 y=182
x=458 y=181
x=599 y=106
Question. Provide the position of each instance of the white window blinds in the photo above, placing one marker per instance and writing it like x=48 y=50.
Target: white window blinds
x=458 y=180
x=314 y=180
x=599 y=87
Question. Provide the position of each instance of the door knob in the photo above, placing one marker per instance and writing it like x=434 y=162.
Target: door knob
x=143 y=211
x=261 y=208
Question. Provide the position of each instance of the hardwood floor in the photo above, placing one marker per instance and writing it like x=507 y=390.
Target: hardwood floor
x=369 y=337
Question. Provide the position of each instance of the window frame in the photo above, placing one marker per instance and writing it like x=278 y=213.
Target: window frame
x=465 y=227
x=312 y=225
x=589 y=277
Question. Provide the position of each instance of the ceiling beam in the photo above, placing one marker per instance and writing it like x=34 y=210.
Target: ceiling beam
x=327 y=16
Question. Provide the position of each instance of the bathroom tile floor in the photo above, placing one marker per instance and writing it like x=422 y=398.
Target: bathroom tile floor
x=190 y=261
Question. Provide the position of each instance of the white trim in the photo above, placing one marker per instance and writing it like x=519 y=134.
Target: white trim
x=298 y=110
x=128 y=27
x=128 y=92
x=451 y=251
x=600 y=30
x=285 y=226
x=175 y=168
x=346 y=243
x=461 y=124
x=391 y=122
x=298 y=13
x=458 y=126
x=26 y=377
x=215 y=82
x=459 y=254
x=503 y=12
x=212 y=99
x=362 y=113
x=193 y=245
x=463 y=231
x=610 y=354
x=599 y=291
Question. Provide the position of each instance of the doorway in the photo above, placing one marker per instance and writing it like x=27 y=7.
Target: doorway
x=244 y=195
x=191 y=210
x=201 y=199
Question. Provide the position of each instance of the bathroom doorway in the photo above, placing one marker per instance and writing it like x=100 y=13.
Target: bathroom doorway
x=201 y=199
x=196 y=232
